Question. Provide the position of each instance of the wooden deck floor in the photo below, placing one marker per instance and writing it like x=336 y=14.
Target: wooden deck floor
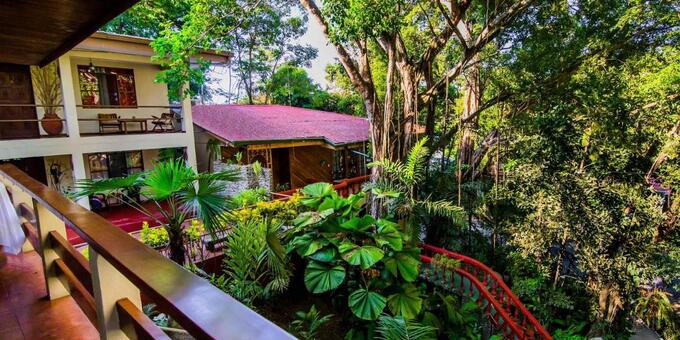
x=25 y=313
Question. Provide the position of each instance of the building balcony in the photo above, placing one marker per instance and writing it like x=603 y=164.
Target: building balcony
x=104 y=294
x=122 y=120
x=28 y=121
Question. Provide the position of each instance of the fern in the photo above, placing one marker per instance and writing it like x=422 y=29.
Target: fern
x=415 y=163
x=444 y=209
x=397 y=328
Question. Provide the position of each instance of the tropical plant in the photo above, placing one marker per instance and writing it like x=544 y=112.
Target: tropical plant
x=249 y=197
x=277 y=211
x=451 y=317
x=178 y=193
x=47 y=87
x=655 y=309
x=353 y=252
x=306 y=324
x=255 y=263
x=397 y=191
x=398 y=328
x=156 y=237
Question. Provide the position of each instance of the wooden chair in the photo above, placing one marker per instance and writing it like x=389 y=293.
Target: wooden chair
x=109 y=121
x=164 y=122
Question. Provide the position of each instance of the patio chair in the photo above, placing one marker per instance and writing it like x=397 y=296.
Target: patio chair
x=109 y=121
x=164 y=122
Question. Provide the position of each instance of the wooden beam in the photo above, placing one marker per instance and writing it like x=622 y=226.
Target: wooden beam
x=87 y=30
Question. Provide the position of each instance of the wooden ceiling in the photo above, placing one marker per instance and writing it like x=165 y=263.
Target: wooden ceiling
x=35 y=32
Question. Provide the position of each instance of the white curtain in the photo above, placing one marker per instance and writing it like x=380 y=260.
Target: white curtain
x=11 y=234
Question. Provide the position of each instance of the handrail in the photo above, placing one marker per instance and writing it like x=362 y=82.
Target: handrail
x=201 y=308
x=498 y=307
x=341 y=187
x=499 y=290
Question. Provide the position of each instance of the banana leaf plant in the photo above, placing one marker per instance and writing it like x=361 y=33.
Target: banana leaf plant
x=350 y=250
x=177 y=192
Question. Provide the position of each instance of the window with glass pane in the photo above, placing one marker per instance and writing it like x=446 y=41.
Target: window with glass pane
x=107 y=86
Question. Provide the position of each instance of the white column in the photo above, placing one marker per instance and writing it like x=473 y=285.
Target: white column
x=78 y=163
x=68 y=86
x=48 y=222
x=188 y=124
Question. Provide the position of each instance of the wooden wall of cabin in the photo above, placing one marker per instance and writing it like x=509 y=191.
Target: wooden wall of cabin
x=310 y=164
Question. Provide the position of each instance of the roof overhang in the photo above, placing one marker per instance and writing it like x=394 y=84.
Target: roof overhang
x=35 y=32
x=132 y=45
x=283 y=143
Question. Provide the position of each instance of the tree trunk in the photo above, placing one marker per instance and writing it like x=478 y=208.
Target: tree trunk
x=471 y=101
x=176 y=245
x=409 y=118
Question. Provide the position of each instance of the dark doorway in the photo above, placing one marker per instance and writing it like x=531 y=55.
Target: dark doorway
x=16 y=89
x=281 y=169
x=33 y=166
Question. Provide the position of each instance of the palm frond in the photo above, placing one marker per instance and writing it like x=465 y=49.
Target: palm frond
x=228 y=175
x=167 y=178
x=397 y=328
x=108 y=186
x=206 y=202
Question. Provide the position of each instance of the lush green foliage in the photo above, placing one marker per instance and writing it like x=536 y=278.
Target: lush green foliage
x=350 y=251
x=306 y=324
x=187 y=194
x=156 y=237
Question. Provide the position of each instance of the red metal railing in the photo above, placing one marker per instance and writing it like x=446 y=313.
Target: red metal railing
x=510 y=314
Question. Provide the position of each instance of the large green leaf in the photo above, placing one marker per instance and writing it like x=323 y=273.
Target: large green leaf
x=403 y=264
x=322 y=277
x=388 y=234
x=315 y=193
x=325 y=255
x=364 y=256
x=365 y=304
x=359 y=223
x=307 y=245
x=311 y=218
x=406 y=303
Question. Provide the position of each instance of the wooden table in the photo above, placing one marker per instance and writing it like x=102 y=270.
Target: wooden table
x=141 y=121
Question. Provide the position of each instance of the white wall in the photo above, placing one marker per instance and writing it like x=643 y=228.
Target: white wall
x=149 y=93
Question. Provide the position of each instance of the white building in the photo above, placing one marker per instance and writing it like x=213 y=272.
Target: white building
x=104 y=74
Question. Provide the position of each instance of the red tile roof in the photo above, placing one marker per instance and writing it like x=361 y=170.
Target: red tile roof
x=246 y=124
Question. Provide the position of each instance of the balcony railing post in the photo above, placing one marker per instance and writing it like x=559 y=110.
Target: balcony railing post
x=18 y=197
x=46 y=221
x=109 y=286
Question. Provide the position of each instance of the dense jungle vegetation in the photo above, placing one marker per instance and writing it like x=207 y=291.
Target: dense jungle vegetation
x=552 y=135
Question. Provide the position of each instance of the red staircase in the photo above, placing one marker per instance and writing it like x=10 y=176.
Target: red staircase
x=479 y=283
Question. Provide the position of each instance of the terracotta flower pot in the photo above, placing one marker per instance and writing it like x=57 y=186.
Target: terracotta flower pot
x=52 y=124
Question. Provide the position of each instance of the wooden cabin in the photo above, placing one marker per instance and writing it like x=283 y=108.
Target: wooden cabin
x=300 y=146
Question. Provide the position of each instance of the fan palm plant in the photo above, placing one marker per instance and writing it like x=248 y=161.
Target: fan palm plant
x=397 y=189
x=188 y=194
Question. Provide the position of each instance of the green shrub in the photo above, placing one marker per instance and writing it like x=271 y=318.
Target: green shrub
x=348 y=250
x=153 y=237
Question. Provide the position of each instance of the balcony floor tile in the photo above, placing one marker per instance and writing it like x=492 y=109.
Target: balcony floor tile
x=25 y=312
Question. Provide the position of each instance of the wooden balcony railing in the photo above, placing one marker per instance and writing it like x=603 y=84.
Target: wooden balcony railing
x=109 y=287
x=344 y=188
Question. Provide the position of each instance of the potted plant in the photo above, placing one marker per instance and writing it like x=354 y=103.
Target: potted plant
x=48 y=92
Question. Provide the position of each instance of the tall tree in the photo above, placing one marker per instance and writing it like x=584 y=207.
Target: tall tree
x=362 y=30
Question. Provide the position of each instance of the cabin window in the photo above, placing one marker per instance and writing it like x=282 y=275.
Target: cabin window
x=107 y=86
